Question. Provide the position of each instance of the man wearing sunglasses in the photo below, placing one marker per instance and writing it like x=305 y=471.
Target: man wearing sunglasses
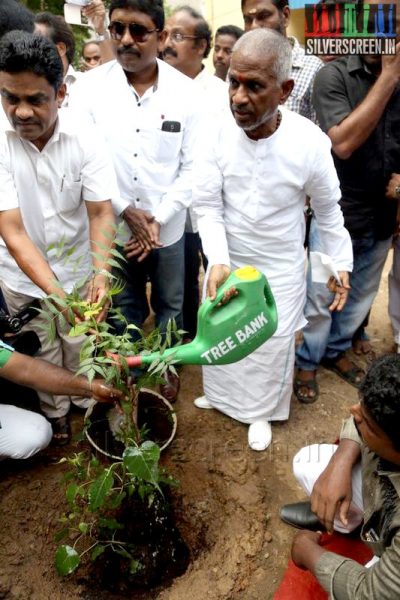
x=147 y=112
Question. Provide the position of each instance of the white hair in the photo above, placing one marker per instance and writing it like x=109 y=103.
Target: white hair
x=263 y=42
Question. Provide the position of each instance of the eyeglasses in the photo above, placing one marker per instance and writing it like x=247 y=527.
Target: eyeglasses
x=139 y=33
x=180 y=37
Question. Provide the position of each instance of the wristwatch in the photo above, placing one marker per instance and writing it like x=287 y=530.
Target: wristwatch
x=397 y=191
x=101 y=37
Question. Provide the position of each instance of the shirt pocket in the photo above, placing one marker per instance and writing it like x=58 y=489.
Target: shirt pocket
x=168 y=145
x=70 y=193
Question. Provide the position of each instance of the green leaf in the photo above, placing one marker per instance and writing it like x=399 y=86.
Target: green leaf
x=80 y=329
x=83 y=528
x=135 y=567
x=70 y=493
x=98 y=550
x=67 y=560
x=60 y=535
x=122 y=552
x=142 y=462
x=110 y=523
x=99 y=490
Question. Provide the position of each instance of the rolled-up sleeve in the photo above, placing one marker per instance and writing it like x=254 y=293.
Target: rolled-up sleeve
x=345 y=579
x=8 y=196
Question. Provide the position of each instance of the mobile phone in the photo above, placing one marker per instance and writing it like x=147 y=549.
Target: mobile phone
x=171 y=126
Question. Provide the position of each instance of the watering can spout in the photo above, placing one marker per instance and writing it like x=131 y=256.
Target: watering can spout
x=226 y=333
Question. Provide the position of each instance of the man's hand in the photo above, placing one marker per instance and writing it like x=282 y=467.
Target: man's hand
x=391 y=187
x=391 y=64
x=103 y=392
x=135 y=249
x=96 y=12
x=341 y=291
x=306 y=549
x=332 y=491
x=139 y=222
x=218 y=274
x=97 y=293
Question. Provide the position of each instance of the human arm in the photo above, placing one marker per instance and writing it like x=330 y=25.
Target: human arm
x=332 y=491
x=340 y=289
x=393 y=183
x=101 y=231
x=96 y=13
x=45 y=377
x=348 y=129
x=145 y=230
x=26 y=254
x=323 y=188
x=346 y=579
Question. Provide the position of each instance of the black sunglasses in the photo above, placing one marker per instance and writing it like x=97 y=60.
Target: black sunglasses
x=139 y=33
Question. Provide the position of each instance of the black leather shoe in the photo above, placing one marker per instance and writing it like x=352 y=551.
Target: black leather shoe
x=301 y=516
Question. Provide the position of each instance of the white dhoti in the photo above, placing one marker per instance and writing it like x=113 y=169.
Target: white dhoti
x=257 y=387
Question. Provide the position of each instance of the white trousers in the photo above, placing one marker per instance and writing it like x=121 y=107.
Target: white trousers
x=63 y=352
x=310 y=462
x=22 y=432
x=258 y=386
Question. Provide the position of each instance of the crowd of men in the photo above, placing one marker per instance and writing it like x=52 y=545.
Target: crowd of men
x=219 y=170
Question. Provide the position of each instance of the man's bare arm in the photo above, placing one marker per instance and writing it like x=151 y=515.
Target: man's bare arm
x=25 y=253
x=45 y=377
x=356 y=128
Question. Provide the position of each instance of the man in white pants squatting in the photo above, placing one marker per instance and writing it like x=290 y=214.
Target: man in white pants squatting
x=354 y=482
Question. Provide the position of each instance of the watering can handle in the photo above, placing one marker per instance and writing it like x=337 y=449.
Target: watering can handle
x=224 y=287
x=269 y=296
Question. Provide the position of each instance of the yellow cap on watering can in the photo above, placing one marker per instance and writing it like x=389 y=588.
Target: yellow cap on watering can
x=227 y=333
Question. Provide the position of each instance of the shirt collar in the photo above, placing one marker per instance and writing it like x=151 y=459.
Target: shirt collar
x=297 y=52
x=71 y=75
x=355 y=63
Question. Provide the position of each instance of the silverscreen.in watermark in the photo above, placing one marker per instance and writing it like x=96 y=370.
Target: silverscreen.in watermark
x=344 y=46
x=346 y=28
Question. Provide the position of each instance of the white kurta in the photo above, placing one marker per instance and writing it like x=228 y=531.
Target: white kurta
x=249 y=199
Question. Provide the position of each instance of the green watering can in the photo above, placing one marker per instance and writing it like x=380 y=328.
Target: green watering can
x=226 y=333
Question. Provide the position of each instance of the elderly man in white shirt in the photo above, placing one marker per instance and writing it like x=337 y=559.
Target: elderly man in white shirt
x=147 y=113
x=249 y=196
x=60 y=181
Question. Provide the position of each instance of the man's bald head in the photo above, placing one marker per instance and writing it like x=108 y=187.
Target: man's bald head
x=260 y=45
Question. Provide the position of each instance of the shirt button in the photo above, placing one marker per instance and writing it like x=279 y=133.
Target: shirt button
x=135 y=179
x=137 y=130
x=137 y=199
x=135 y=155
x=139 y=104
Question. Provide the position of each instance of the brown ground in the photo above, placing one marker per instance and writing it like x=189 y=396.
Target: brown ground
x=230 y=497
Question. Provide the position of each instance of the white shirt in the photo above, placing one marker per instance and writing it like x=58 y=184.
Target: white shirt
x=152 y=162
x=70 y=79
x=50 y=188
x=215 y=96
x=249 y=199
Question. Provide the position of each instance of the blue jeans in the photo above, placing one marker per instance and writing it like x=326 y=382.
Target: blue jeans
x=327 y=334
x=165 y=269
